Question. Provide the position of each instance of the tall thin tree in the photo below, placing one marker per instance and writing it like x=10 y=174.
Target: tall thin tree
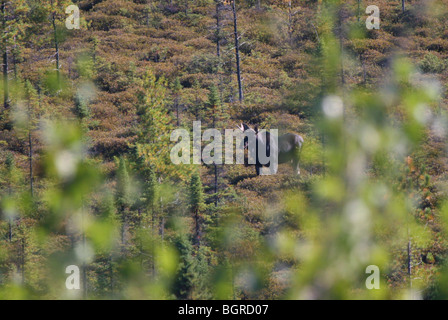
x=218 y=27
x=30 y=98
x=5 y=57
x=237 y=52
x=56 y=45
x=196 y=205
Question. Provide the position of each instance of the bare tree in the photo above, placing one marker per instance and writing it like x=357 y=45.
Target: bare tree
x=237 y=51
x=359 y=9
x=5 y=58
x=56 y=43
x=291 y=21
x=218 y=28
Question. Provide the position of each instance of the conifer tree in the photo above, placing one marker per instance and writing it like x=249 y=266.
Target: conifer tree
x=196 y=202
x=56 y=10
x=154 y=123
x=176 y=88
x=213 y=105
x=12 y=27
x=197 y=105
x=191 y=281
x=216 y=114
x=185 y=278
x=123 y=196
x=150 y=194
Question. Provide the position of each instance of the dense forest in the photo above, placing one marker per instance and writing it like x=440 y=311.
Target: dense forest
x=86 y=179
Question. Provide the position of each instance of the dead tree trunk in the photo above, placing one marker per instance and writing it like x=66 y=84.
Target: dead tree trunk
x=359 y=10
x=23 y=260
x=218 y=46
x=10 y=219
x=10 y=230
x=216 y=184
x=147 y=11
x=30 y=155
x=15 y=53
x=290 y=23
x=5 y=80
x=410 y=262
x=84 y=270
x=56 y=45
x=218 y=29
x=237 y=52
x=5 y=60
x=341 y=44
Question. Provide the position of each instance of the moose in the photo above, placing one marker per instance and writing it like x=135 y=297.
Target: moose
x=287 y=150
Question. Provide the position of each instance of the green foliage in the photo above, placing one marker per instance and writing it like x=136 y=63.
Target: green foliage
x=196 y=196
x=108 y=199
x=85 y=66
x=433 y=64
x=155 y=123
x=213 y=97
x=191 y=278
x=81 y=109
x=203 y=63
x=124 y=193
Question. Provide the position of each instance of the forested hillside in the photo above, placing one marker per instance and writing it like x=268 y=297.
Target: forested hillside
x=86 y=177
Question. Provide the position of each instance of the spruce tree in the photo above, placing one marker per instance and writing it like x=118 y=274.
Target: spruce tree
x=123 y=196
x=185 y=278
x=215 y=113
x=154 y=123
x=196 y=203
x=13 y=16
x=176 y=88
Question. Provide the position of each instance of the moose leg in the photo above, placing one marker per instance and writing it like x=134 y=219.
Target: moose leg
x=295 y=162
x=295 y=166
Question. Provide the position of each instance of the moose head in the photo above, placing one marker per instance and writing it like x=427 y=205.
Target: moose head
x=286 y=149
